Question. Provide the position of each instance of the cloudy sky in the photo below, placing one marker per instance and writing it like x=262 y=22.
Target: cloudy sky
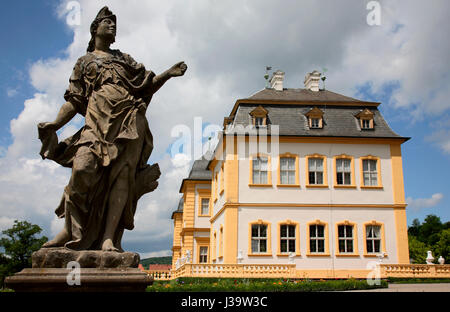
x=404 y=63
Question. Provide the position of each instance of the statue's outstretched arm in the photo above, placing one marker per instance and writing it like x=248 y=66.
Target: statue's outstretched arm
x=65 y=114
x=176 y=70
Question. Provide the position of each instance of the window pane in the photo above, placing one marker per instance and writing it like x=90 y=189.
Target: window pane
x=262 y=231
x=263 y=164
x=256 y=178
x=320 y=230
x=366 y=179
x=255 y=230
x=347 y=179
x=372 y=165
x=291 y=245
x=256 y=165
x=374 y=178
x=283 y=230
x=377 y=245
x=349 y=231
x=338 y=164
x=339 y=178
x=255 y=245
x=369 y=231
x=340 y=231
x=284 y=163
x=312 y=178
x=291 y=177
x=312 y=245
x=283 y=245
x=262 y=245
x=291 y=164
x=365 y=165
x=341 y=245
x=369 y=245
x=346 y=164
x=312 y=164
x=291 y=231
x=376 y=231
x=319 y=177
x=321 y=245
x=319 y=164
x=263 y=178
x=312 y=231
x=284 y=177
x=349 y=245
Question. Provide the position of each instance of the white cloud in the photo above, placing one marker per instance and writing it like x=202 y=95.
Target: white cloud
x=226 y=45
x=422 y=203
x=441 y=139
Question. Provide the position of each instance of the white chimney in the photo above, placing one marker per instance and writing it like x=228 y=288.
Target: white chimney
x=312 y=81
x=276 y=82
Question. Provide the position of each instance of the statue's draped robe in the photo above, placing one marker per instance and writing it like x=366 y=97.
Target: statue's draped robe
x=112 y=93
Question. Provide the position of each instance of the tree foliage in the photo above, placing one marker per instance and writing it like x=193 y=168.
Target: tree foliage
x=432 y=235
x=18 y=243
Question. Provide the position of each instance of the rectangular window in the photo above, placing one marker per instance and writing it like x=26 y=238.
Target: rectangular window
x=345 y=237
x=343 y=171
x=287 y=170
x=317 y=238
x=373 y=238
x=259 y=238
x=315 y=167
x=315 y=123
x=205 y=206
x=287 y=238
x=260 y=169
x=203 y=255
x=365 y=123
x=370 y=173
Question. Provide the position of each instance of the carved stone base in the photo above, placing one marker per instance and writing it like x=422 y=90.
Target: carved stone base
x=90 y=280
x=60 y=257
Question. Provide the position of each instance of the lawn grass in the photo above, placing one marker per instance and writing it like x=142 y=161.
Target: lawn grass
x=259 y=285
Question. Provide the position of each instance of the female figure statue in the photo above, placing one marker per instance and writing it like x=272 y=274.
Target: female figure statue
x=109 y=154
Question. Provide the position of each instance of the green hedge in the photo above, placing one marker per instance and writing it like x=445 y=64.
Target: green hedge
x=259 y=285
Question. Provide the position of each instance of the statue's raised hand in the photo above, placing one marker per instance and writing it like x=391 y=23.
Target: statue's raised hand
x=178 y=69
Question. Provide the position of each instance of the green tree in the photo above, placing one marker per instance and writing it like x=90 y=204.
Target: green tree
x=18 y=243
x=430 y=229
x=414 y=228
x=417 y=249
x=443 y=246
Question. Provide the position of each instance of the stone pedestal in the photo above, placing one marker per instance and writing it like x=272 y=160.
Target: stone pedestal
x=90 y=271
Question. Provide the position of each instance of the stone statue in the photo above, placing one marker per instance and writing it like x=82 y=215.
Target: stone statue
x=109 y=154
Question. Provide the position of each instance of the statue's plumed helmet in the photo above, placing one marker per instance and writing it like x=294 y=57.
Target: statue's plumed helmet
x=102 y=14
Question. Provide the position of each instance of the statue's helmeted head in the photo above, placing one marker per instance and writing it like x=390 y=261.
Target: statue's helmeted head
x=104 y=13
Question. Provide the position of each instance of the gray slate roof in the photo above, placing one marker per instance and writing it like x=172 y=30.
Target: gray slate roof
x=179 y=208
x=339 y=120
x=199 y=170
x=302 y=95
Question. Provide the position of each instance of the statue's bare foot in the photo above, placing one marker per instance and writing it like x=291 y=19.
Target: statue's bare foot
x=108 y=245
x=60 y=239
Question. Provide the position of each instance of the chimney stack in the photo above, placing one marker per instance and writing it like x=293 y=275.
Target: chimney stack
x=276 y=82
x=312 y=81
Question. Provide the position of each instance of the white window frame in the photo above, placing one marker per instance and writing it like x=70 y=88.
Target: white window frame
x=258 y=239
x=371 y=173
x=371 y=238
x=290 y=171
x=345 y=238
x=258 y=169
x=313 y=236
x=343 y=171
x=290 y=236
x=315 y=171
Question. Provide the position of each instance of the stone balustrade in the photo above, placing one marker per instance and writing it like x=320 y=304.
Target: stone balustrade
x=415 y=270
x=160 y=275
x=236 y=270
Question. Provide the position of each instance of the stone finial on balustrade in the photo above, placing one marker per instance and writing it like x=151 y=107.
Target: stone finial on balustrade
x=188 y=256
x=240 y=257
x=380 y=257
x=441 y=260
x=429 y=258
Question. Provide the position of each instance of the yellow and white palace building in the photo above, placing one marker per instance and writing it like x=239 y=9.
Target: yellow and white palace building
x=322 y=199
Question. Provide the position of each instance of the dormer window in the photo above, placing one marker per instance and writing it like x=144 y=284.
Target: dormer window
x=365 y=119
x=315 y=118
x=315 y=123
x=259 y=116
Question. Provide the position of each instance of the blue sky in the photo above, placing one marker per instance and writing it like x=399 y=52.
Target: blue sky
x=404 y=64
